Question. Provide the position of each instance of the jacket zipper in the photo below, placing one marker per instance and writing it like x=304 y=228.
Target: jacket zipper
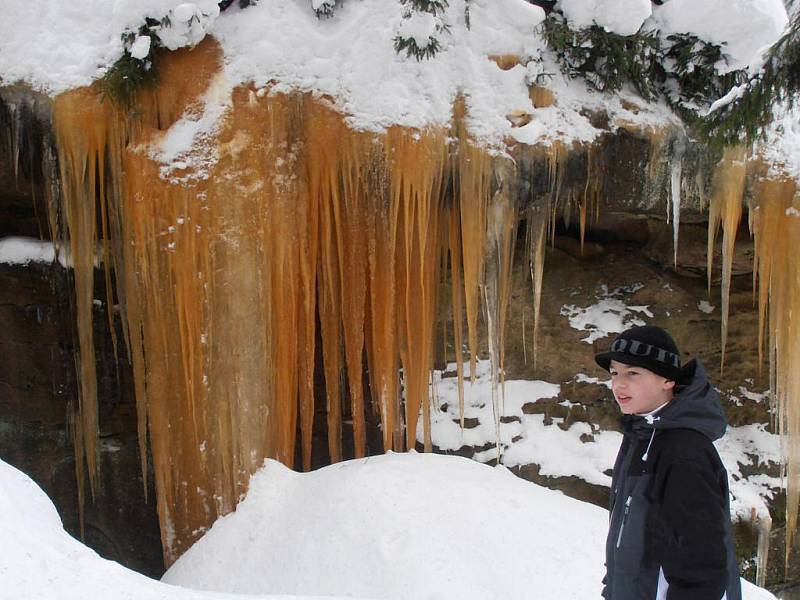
x=624 y=517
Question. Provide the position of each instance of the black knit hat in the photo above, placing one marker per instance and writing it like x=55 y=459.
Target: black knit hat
x=649 y=347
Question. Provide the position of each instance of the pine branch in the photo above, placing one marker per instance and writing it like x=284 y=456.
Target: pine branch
x=409 y=45
x=777 y=82
x=606 y=60
x=434 y=7
x=681 y=68
x=406 y=41
x=128 y=74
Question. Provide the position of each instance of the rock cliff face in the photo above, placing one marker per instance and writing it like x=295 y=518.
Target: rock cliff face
x=626 y=253
x=37 y=371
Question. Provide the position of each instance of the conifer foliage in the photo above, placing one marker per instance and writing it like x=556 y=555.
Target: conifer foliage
x=422 y=29
x=680 y=68
x=749 y=108
x=606 y=60
x=184 y=25
x=136 y=68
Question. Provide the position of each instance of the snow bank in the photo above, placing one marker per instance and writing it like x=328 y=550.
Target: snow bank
x=41 y=561
x=405 y=526
x=349 y=57
x=402 y=526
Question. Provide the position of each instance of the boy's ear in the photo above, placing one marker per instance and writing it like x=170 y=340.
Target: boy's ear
x=669 y=384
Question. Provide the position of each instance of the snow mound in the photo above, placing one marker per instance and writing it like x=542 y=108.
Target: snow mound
x=401 y=526
x=41 y=561
x=404 y=526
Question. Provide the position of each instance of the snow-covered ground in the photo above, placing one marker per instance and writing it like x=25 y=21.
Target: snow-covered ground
x=399 y=526
x=609 y=315
x=582 y=449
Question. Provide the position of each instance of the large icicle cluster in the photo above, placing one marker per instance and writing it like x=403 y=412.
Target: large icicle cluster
x=774 y=208
x=223 y=277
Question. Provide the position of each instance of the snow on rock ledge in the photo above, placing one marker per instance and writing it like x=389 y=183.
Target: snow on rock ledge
x=76 y=42
x=742 y=27
x=624 y=17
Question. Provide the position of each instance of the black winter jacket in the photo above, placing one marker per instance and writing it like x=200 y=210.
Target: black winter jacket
x=670 y=531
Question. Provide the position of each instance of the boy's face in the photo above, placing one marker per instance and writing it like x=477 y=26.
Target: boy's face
x=638 y=390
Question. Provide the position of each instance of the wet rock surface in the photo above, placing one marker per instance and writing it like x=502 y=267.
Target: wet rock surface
x=38 y=388
x=38 y=381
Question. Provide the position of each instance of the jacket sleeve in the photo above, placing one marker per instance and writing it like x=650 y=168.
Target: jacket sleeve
x=692 y=550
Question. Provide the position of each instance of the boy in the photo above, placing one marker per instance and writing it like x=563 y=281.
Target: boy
x=669 y=533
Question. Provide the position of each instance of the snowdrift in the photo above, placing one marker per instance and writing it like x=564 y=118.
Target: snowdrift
x=404 y=526
x=39 y=560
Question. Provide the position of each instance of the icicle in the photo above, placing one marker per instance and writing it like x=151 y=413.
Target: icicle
x=17 y=128
x=418 y=175
x=763 y=526
x=382 y=242
x=454 y=238
x=524 y=340
x=556 y=163
x=351 y=222
x=537 y=231
x=590 y=202
x=324 y=185
x=201 y=274
x=309 y=251
x=474 y=169
x=83 y=131
x=500 y=238
x=726 y=208
x=678 y=150
x=777 y=234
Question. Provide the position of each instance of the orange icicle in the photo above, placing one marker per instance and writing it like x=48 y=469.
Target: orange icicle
x=726 y=208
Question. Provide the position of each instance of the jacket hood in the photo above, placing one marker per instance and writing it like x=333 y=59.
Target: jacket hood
x=695 y=406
